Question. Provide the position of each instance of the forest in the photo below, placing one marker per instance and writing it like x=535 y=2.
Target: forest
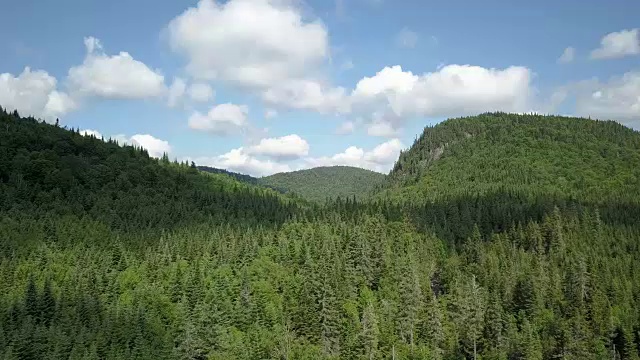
x=328 y=182
x=498 y=236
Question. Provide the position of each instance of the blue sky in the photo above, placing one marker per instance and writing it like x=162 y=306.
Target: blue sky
x=262 y=86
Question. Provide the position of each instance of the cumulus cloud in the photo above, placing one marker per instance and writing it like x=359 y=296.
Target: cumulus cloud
x=380 y=158
x=176 y=92
x=394 y=95
x=279 y=45
x=239 y=160
x=33 y=93
x=200 y=92
x=567 y=55
x=381 y=128
x=617 y=99
x=89 y=132
x=345 y=128
x=385 y=153
x=154 y=146
x=283 y=148
x=407 y=38
x=117 y=76
x=223 y=119
x=308 y=94
x=618 y=44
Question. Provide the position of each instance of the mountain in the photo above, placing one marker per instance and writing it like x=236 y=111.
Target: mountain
x=575 y=157
x=47 y=171
x=320 y=183
x=240 y=177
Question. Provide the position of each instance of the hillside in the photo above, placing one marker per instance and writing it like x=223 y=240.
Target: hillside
x=48 y=171
x=320 y=183
x=240 y=177
x=572 y=157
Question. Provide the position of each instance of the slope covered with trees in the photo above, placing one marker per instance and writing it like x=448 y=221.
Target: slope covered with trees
x=48 y=172
x=322 y=183
x=486 y=275
x=574 y=157
x=240 y=177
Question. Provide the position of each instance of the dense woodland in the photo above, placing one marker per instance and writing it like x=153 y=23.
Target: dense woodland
x=107 y=253
x=535 y=154
x=327 y=182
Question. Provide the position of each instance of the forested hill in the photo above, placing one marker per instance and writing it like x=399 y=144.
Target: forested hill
x=47 y=171
x=319 y=184
x=573 y=157
x=240 y=177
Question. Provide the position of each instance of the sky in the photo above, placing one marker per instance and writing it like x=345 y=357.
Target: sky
x=266 y=86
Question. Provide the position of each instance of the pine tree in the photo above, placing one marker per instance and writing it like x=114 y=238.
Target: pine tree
x=31 y=303
x=47 y=303
x=410 y=295
x=370 y=332
x=434 y=328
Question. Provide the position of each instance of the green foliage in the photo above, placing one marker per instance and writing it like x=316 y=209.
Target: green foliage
x=48 y=172
x=577 y=158
x=322 y=183
x=224 y=270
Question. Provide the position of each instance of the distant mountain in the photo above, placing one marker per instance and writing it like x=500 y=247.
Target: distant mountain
x=320 y=183
x=248 y=179
x=529 y=154
x=240 y=177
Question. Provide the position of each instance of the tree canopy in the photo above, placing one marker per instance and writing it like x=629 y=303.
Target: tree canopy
x=107 y=253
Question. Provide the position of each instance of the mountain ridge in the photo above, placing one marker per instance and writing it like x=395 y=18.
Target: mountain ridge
x=551 y=154
x=326 y=182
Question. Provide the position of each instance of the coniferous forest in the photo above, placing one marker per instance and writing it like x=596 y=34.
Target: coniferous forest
x=497 y=236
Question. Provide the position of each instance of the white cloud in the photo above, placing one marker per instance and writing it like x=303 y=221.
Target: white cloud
x=567 y=55
x=239 y=160
x=223 y=119
x=118 y=76
x=617 y=99
x=407 y=38
x=618 y=44
x=283 y=148
x=279 y=45
x=387 y=80
x=308 y=95
x=89 y=132
x=345 y=128
x=33 y=93
x=450 y=91
x=385 y=153
x=154 y=146
x=121 y=139
x=380 y=159
x=381 y=128
x=200 y=92
x=176 y=91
